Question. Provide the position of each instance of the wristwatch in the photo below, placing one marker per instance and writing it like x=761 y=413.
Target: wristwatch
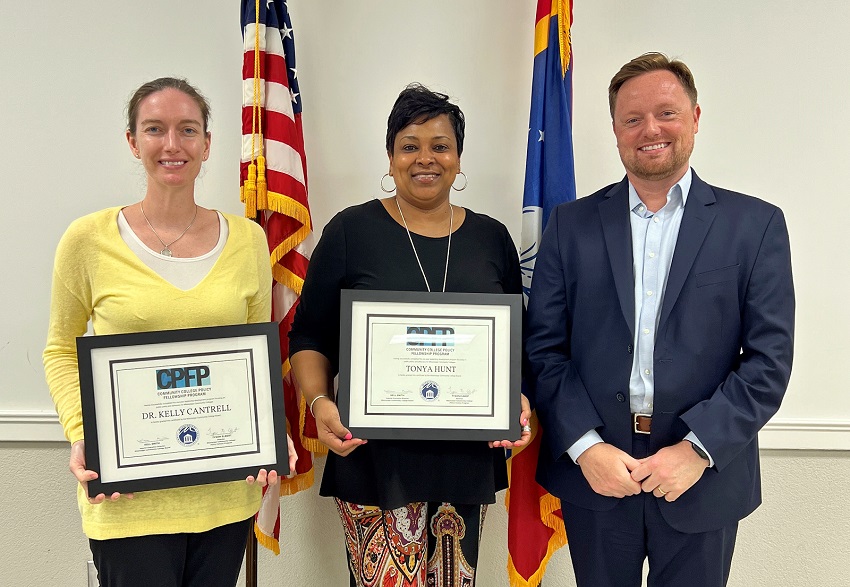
x=699 y=451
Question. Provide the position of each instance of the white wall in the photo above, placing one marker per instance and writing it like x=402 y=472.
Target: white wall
x=772 y=83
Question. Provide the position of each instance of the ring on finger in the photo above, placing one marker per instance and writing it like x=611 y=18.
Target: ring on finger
x=661 y=491
x=526 y=428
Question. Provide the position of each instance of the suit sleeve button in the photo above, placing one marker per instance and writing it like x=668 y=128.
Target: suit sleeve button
x=621 y=397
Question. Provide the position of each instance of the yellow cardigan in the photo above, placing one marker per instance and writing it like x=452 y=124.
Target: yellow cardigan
x=96 y=276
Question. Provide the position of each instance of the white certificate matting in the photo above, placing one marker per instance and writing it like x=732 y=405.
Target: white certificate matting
x=157 y=407
x=424 y=374
x=412 y=368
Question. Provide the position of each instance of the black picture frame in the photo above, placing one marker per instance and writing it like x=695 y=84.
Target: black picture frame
x=111 y=368
x=499 y=314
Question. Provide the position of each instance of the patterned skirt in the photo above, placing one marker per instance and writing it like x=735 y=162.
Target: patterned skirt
x=423 y=544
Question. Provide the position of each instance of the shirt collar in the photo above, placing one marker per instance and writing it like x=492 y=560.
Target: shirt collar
x=683 y=187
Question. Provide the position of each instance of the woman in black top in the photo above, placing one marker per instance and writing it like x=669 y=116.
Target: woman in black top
x=412 y=511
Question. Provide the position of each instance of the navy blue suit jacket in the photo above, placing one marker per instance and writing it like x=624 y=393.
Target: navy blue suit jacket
x=723 y=347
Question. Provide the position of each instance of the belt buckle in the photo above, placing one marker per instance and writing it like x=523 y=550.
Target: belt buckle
x=635 y=423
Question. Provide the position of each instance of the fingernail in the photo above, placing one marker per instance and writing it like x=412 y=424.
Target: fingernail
x=348 y=436
x=525 y=422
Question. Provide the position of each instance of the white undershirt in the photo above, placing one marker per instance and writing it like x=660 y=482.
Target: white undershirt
x=181 y=272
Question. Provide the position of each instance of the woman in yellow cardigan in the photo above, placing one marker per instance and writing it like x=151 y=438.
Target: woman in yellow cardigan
x=162 y=263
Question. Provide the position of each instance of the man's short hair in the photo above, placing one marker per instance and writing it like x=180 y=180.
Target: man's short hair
x=652 y=62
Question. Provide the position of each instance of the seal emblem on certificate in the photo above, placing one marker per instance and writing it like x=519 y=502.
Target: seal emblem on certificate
x=430 y=390
x=187 y=434
x=420 y=365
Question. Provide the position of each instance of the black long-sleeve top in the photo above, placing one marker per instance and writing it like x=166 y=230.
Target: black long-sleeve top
x=363 y=247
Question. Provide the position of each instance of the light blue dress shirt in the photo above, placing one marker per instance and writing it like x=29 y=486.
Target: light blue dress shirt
x=654 y=237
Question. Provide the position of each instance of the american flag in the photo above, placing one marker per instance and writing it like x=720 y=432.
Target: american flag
x=535 y=523
x=274 y=189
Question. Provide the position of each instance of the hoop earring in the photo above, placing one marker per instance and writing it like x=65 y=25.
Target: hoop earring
x=465 y=181
x=385 y=190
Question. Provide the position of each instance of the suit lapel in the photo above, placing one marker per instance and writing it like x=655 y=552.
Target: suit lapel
x=614 y=211
x=698 y=216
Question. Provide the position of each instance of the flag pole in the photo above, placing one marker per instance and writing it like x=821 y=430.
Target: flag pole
x=251 y=202
x=251 y=559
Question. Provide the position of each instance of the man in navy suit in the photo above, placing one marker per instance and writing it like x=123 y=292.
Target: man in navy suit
x=661 y=335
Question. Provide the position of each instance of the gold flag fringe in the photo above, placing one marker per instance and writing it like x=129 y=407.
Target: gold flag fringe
x=294 y=209
x=283 y=204
x=296 y=484
x=311 y=444
x=266 y=541
x=287 y=487
x=549 y=504
x=283 y=275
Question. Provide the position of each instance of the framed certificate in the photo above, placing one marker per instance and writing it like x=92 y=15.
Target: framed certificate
x=430 y=366
x=182 y=407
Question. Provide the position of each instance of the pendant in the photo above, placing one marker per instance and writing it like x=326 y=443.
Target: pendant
x=166 y=252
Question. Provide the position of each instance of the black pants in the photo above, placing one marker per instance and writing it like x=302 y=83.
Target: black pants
x=608 y=548
x=206 y=559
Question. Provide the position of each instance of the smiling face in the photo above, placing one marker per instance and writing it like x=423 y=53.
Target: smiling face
x=169 y=138
x=655 y=123
x=425 y=161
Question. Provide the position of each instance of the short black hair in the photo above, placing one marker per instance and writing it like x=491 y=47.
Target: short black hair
x=417 y=104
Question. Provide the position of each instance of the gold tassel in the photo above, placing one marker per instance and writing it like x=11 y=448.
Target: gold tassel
x=564 y=37
x=249 y=192
x=262 y=187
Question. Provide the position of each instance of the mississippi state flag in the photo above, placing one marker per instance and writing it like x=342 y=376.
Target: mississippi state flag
x=535 y=523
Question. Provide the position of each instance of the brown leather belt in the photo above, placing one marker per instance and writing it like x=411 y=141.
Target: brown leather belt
x=641 y=423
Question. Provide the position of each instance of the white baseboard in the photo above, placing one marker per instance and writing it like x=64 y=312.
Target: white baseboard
x=782 y=434
x=30 y=426
x=805 y=434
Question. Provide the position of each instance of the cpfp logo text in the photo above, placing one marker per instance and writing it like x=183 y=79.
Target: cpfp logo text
x=430 y=336
x=180 y=377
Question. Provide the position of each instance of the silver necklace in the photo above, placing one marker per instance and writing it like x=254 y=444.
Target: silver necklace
x=448 y=249
x=166 y=248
